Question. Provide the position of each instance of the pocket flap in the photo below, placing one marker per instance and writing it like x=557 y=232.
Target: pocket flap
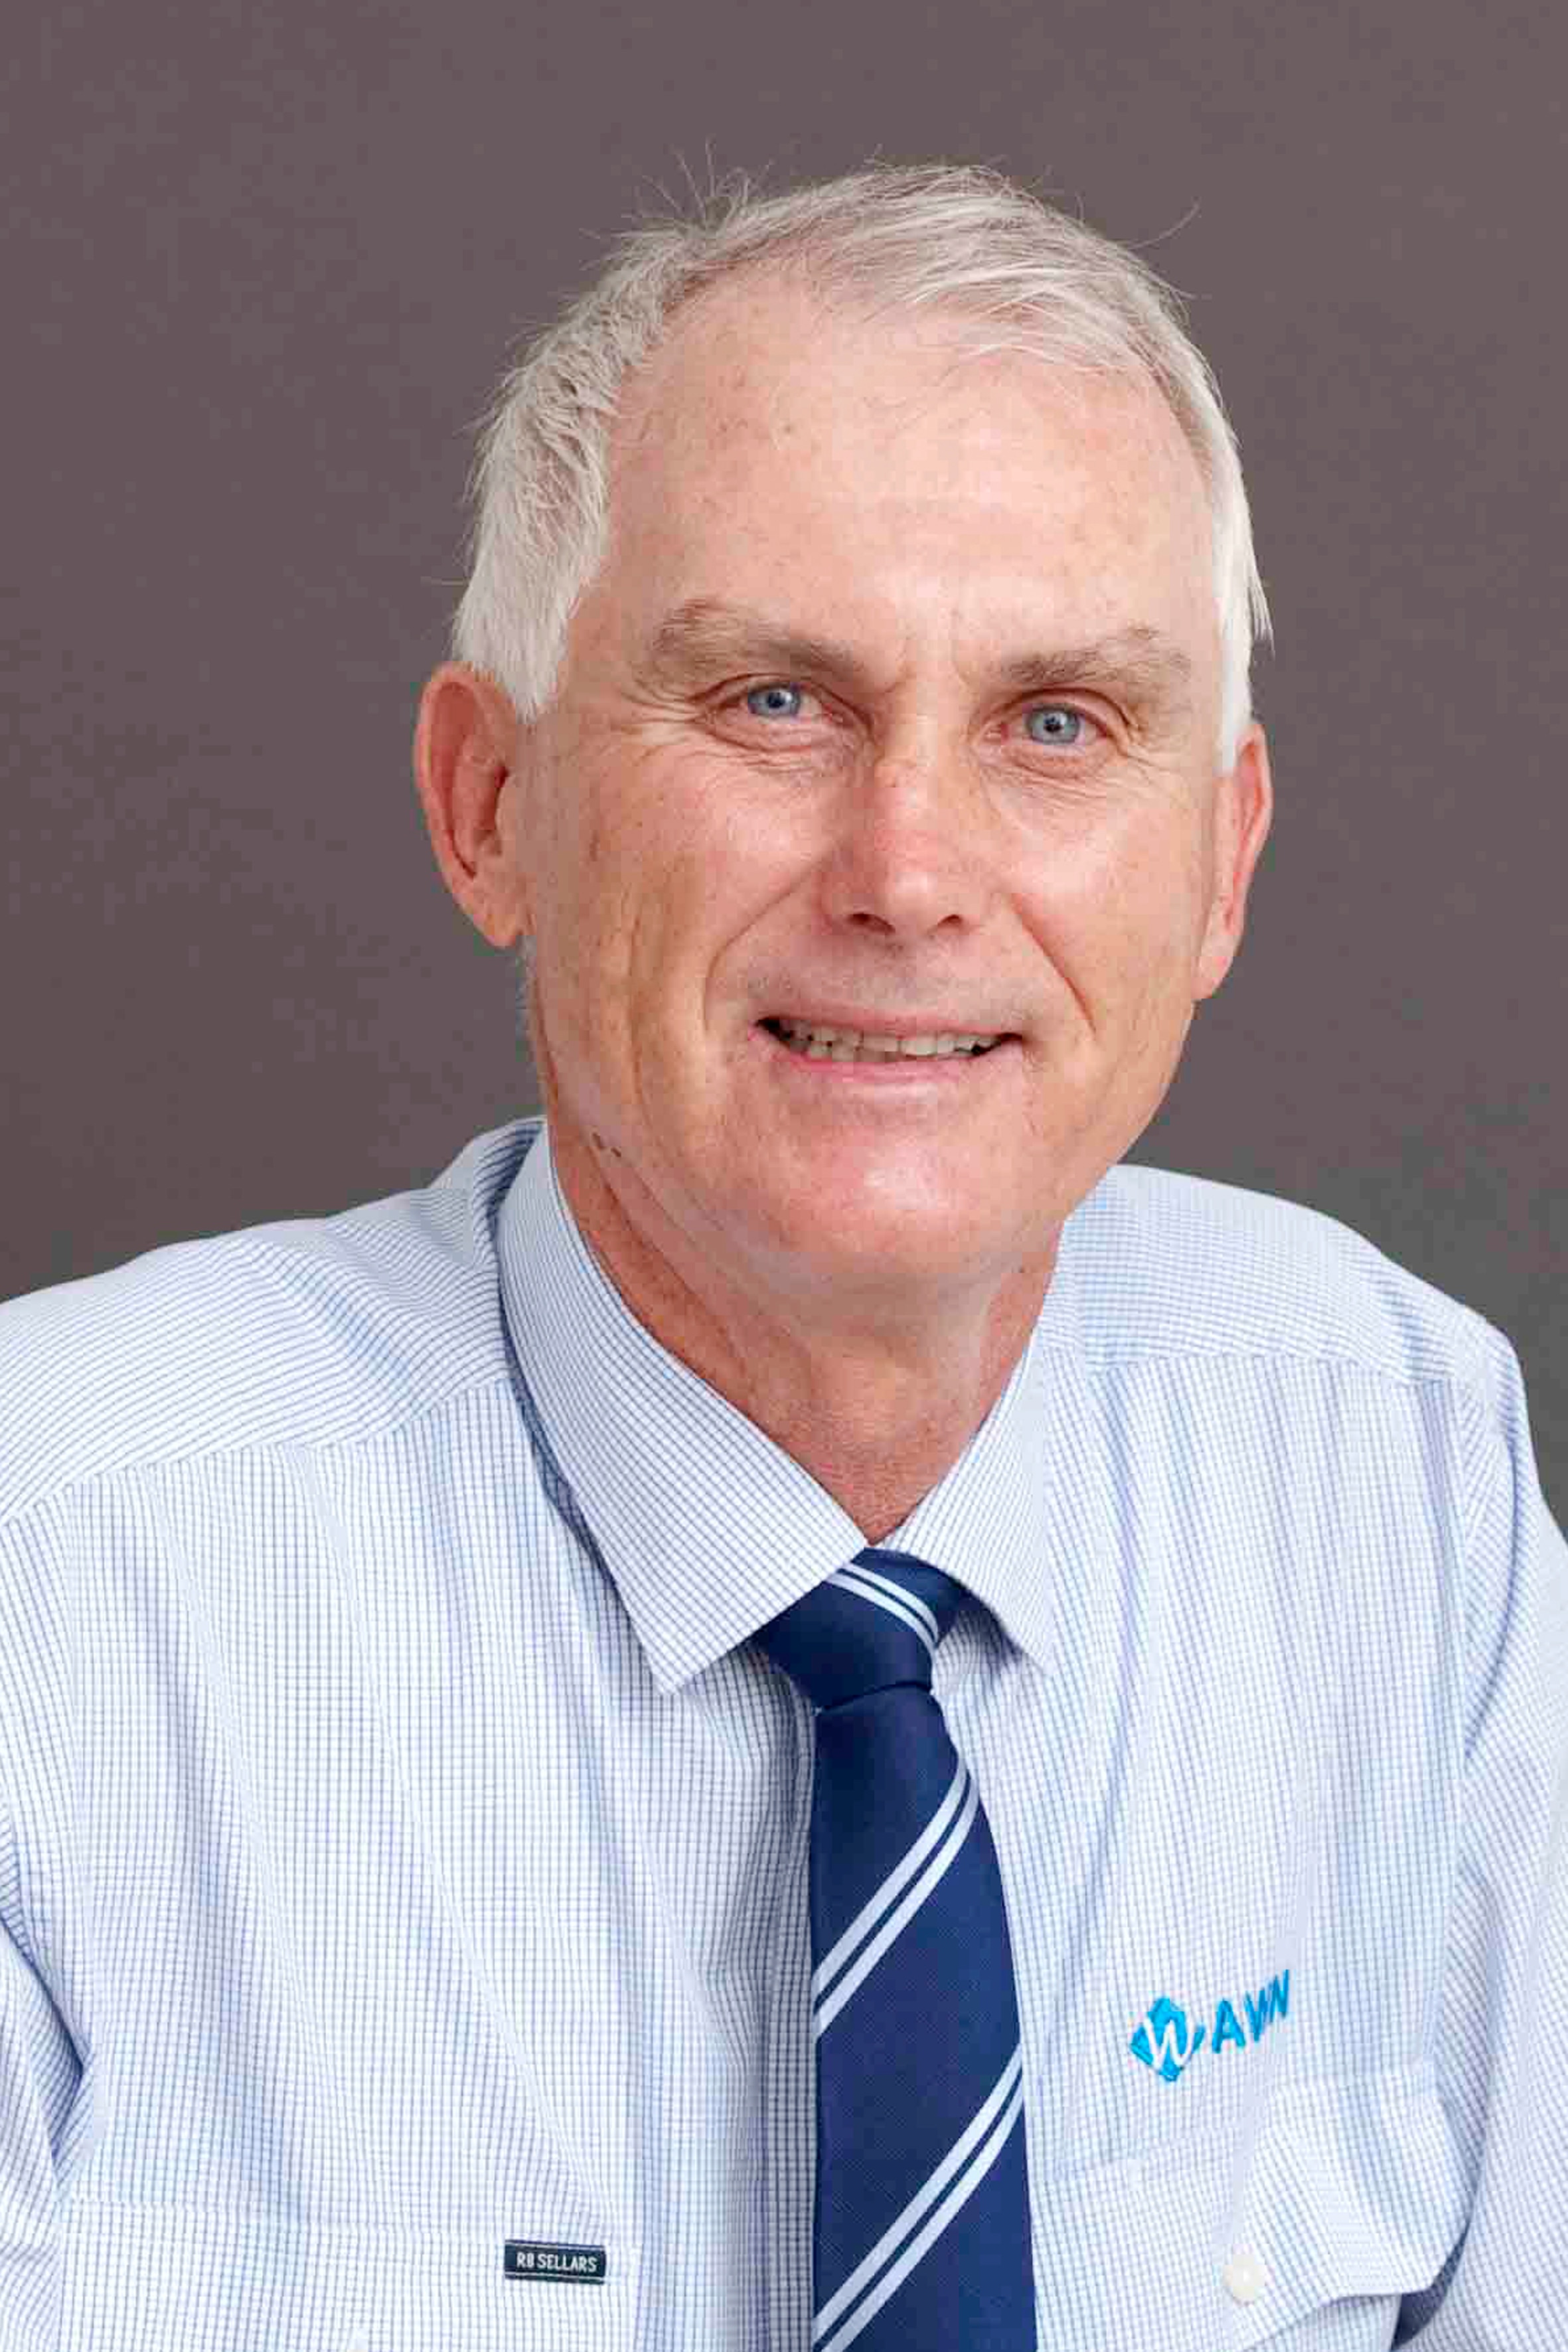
x=1348 y=2189
x=1354 y=2189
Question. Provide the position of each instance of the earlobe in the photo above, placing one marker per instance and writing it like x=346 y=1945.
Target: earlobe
x=465 y=748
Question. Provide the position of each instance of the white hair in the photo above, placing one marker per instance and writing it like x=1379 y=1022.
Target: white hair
x=959 y=238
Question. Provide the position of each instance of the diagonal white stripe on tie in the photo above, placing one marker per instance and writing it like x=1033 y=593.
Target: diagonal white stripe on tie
x=977 y=2150
x=901 y=1606
x=859 y=1575
x=866 y=1919
x=934 y=1872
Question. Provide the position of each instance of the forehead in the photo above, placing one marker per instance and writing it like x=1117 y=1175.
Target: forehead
x=774 y=436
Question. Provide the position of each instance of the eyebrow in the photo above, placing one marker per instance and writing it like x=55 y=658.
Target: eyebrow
x=1148 y=669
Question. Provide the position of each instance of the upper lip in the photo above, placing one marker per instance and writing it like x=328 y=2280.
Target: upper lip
x=903 y=1024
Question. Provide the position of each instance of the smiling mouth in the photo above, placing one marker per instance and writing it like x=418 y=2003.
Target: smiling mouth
x=818 y=1042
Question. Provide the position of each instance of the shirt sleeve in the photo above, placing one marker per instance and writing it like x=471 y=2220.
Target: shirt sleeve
x=40 y=2070
x=1503 y=2013
x=38 y=2077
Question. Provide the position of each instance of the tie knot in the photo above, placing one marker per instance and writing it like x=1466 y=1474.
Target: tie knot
x=877 y=1621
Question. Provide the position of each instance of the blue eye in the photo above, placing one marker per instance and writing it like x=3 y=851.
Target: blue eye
x=1058 y=724
x=775 y=701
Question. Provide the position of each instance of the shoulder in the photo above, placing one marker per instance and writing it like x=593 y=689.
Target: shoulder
x=1165 y=1265
x=301 y=1331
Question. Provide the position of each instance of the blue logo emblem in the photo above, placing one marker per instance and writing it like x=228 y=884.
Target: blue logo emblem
x=1164 y=2044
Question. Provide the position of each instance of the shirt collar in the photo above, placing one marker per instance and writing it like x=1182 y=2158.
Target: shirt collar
x=708 y=1528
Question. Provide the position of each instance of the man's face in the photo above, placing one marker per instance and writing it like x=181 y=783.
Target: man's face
x=894 y=706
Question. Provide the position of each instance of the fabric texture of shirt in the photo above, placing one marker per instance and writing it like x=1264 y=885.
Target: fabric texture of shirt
x=402 y=1843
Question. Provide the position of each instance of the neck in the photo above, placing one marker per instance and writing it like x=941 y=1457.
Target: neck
x=875 y=1407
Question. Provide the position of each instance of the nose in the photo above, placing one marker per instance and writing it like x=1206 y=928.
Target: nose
x=911 y=850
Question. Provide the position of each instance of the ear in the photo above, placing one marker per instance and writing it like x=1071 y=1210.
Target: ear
x=467 y=746
x=1244 y=809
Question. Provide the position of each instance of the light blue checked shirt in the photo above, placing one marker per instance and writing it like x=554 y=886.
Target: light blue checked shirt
x=403 y=1845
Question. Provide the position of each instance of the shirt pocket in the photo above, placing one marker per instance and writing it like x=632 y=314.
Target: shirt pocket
x=232 y=2280
x=1349 y=2194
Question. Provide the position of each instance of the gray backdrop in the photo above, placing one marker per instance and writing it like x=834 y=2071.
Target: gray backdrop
x=265 y=269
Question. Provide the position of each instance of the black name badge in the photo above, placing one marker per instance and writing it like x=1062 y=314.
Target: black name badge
x=526 y=2258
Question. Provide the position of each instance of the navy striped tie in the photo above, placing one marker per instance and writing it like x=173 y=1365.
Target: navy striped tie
x=921 y=2237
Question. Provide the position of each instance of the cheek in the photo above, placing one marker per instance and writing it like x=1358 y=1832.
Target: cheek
x=595 y=879
x=642 y=902
x=1124 y=919
x=689 y=878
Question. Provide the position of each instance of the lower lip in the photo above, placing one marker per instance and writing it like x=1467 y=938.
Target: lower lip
x=908 y=1070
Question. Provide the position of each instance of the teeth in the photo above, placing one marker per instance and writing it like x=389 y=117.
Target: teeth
x=823 y=1043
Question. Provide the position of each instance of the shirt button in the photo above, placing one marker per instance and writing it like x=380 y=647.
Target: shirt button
x=1243 y=2277
x=359 y=2341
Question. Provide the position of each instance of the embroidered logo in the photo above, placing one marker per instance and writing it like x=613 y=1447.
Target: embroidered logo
x=526 y=2258
x=1163 y=2044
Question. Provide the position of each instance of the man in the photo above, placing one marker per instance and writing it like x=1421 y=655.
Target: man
x=793 y=1709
